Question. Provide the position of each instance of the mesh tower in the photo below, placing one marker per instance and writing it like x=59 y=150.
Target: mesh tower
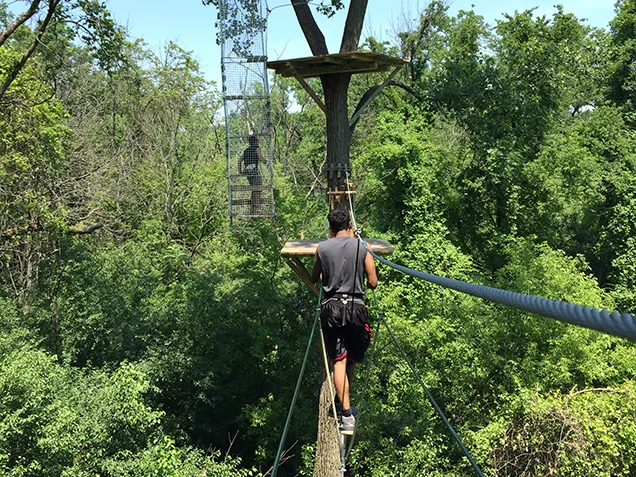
x=247 y=107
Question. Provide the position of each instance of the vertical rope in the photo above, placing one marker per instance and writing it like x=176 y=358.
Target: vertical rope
x=293 y=403
x=428 y=393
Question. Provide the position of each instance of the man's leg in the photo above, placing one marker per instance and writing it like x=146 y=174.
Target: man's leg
x=341 y=377
x=351 y=371
x=341 y=380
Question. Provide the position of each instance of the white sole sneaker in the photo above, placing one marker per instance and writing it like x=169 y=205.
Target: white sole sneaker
x=347 y=425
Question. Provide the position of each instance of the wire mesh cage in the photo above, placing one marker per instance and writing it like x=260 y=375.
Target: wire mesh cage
x=246 y=99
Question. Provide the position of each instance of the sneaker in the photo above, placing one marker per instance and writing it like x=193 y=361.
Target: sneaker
x=354 y=410
x=347 y=425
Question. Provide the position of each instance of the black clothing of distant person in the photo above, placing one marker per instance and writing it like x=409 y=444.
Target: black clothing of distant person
x=248 y=166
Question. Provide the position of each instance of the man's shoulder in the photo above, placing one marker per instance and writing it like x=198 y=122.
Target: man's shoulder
x=333 y=243
x=324 y=245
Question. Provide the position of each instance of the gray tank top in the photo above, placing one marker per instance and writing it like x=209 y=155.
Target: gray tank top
x=340 y=274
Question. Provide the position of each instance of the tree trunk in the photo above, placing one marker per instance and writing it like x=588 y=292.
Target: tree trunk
x=328 y=440
x=336 y=87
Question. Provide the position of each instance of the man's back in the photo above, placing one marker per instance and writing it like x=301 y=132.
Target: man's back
x=250 y=159
x=342 y=264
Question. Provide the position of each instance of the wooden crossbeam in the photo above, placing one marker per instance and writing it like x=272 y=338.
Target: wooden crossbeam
x=263 y=201
x=249 y=188
x=311 y=92
x=299 y=269
x=315 y=71
x=293 y=249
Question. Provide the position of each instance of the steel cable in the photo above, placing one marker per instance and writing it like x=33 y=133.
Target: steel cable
x=613 y=323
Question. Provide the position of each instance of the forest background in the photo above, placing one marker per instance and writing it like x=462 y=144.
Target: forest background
x=141 y=335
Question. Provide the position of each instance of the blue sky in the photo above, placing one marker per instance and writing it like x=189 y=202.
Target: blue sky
x=191 y=24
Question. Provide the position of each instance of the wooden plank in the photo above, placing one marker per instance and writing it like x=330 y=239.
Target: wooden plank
x=299 y=269
x=262 y=201
x=310 y=91
x=308 y=247
x=344 y=58
x=249 y=188
x=351 y=62
x=314 y=71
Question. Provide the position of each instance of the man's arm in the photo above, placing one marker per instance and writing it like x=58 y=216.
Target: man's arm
x=259 y=154
x=239 y=165
x=316 y=271
x=369 y=269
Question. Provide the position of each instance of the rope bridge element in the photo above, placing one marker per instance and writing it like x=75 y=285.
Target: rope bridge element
x=610 y=322
x=430 y=396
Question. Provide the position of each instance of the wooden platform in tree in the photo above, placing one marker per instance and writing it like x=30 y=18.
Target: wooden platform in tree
x=308 y=247
x=294 y=249
x=353 y=62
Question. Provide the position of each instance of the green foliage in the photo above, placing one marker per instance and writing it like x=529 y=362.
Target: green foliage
x=621 y=78
x=58 y=421
x=33 y=160
x=166 y=333
x=582 y=432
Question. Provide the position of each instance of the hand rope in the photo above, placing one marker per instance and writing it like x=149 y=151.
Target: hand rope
x=613 y=323
x=293 y=403
x=428 y=393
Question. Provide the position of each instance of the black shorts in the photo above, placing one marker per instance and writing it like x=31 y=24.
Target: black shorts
x=346 y=330
x=255 y=179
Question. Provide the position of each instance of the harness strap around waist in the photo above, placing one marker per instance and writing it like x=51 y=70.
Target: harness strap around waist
x=356 y=298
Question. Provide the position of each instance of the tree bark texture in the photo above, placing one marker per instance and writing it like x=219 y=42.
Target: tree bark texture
x=353 y=25
x=313 y=35
x=328 y=440
x=336 y=87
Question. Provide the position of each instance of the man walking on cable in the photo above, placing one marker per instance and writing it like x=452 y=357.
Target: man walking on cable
x=343 y=262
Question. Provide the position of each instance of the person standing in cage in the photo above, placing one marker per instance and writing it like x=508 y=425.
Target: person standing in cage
x=248 y=166
x=342 y=262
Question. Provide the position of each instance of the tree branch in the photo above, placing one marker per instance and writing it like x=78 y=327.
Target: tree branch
x=86 y=229
x=19 y=21
x=371 y=91
x=32 y=227
x=353 y=25
x=27 y=54
x=10 y=233
x=607 y=390
x=313 y=35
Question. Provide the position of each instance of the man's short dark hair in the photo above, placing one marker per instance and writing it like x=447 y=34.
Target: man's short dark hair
x=252 y=140
x=338 y=220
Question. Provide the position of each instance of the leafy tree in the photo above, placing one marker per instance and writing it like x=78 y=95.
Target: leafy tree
x=90 y=20
x=32 y=161
x=623 y=54
x=57 y=421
